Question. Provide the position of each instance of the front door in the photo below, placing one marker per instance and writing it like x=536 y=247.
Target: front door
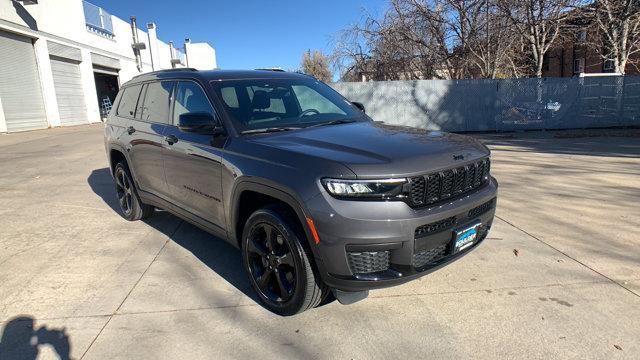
x=192 y=164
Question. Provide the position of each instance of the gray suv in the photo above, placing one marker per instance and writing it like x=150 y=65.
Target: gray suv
x=322 y=200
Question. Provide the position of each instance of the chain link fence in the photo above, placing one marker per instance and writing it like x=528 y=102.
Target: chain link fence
x=501 y=105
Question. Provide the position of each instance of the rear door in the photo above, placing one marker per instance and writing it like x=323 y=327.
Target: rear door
x=146 y=126
x=192 y=163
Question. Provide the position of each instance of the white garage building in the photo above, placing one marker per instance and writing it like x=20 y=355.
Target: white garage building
x=62 y=62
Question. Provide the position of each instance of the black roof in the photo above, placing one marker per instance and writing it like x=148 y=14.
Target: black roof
x=212 y=75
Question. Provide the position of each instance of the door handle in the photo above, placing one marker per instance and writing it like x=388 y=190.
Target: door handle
x=131 y=130
x=171 y=139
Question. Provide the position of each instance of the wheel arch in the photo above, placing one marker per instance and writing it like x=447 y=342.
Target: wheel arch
x=117 y=153
x=263 y=194
x=237 y=221
x=250 y=187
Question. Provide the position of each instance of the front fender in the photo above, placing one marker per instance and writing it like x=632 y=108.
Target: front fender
x=269 y=188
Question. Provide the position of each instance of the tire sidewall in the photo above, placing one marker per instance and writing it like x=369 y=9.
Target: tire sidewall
x=135 y=203
x=271 y=217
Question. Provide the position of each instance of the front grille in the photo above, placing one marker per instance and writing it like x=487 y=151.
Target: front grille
x=479 y=210
x=366 y=262
x=446 y=184
x=426 y=257
x=435 y=227
x=417 y=190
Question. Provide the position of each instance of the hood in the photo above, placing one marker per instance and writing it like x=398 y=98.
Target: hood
x=378 y=150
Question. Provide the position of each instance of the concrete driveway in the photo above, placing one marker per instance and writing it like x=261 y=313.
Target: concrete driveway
x=559 y=276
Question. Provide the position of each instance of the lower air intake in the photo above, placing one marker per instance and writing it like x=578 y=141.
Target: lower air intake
x=367 y=262
x=426 y=257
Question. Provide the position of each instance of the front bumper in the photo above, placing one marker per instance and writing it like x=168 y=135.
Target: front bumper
x=348 y=227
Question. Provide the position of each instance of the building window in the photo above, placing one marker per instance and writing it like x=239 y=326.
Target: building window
x=578 y=66
x=609 y=65
x=97 y=20
x=581 y=36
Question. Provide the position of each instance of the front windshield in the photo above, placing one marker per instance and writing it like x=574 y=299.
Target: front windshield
x=282 y=103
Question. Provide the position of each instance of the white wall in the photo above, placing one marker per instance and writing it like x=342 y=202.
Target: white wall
x=201 y=56
x=3 y=121
x=89 y=87
x=63 y=21
x=164 y=55
x=46 y=82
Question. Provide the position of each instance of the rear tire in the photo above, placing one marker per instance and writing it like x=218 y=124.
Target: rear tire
x=131 y=207
x=278 y=265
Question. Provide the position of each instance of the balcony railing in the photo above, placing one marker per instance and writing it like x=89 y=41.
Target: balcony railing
x=98 y=20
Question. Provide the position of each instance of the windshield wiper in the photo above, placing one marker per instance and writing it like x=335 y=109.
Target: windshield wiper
x=268 y=130
x=334 y=122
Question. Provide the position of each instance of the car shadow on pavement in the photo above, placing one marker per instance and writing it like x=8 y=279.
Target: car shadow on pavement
x=217 y=254
x=22 y=341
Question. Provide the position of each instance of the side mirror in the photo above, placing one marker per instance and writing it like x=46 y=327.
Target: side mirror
x=199 y=123
x=359 y=106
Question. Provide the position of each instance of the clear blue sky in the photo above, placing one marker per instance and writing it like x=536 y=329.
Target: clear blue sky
x=248 y=34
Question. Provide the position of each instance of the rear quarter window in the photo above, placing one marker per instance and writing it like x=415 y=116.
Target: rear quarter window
x=128 y=101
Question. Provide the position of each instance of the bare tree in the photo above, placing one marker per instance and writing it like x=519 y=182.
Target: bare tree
x=517 y=58
x=378 y=49
x=469 y=38
x=446 y=39
x=441 y=28
x=493 y=46
x=349 y=54
x=619 y=23
x=316 y=64
x=538 y=22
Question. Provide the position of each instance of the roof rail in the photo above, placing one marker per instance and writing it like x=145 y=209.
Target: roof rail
x=176 y=69
x=165 y=71
x=271 y=69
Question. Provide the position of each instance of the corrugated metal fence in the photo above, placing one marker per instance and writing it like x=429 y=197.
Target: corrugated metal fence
x=501 y=105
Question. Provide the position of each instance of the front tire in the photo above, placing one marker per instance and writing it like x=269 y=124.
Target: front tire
x=131 y=207
x=278 y=266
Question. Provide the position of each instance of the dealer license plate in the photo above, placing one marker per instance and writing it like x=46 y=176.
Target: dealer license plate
x=465 y=238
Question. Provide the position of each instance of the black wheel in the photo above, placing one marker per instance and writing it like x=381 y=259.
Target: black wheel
x=130 y=205
x=278 y=265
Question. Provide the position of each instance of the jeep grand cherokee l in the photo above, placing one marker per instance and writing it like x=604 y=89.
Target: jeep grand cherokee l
x=319 y=198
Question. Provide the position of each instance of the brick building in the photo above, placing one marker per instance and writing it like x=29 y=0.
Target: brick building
x=575 y=54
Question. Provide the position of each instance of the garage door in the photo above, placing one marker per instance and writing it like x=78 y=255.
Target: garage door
x=20 y=90
x=68 y=84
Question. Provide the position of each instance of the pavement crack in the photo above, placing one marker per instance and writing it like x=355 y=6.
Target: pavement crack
x=490 y=289
x=186 y=309
x=132 y=288
x=569 y=256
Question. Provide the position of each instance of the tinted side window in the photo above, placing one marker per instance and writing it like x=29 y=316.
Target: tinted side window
x=157 y=101
x=128 y=101
x=190 y=98
x=141 y=102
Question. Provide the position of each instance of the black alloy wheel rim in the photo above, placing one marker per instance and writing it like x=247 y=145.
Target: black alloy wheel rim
x=271 y=263
x=124 y=191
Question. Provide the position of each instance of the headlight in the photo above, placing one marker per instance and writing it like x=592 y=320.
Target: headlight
x=378 y=189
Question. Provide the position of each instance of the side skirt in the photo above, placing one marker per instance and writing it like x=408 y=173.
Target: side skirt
x=185 y=215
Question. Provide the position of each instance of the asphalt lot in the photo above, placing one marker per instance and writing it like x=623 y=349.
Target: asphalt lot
x=558 y=277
